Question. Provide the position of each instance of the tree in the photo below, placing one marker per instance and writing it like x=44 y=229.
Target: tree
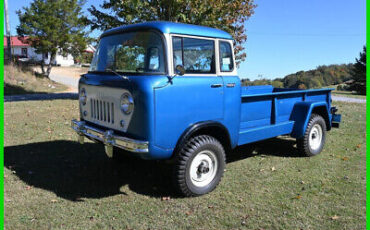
x=277 y=84
x=359 y=73
x=53 y=26
x=226 y=15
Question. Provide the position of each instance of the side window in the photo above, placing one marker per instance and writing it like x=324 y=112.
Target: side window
x=177 y=51
x=226 y=57
x=196 y=55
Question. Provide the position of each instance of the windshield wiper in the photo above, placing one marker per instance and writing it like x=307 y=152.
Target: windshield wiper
x=122 y=76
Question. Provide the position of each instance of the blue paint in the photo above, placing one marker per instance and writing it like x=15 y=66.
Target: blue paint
x=166 y=109
x=173 y=28
x=301 y=114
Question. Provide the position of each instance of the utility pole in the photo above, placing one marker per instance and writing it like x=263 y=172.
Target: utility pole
x=7 y=27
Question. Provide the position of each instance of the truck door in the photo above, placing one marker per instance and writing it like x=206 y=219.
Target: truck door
x=232 y=87
x=193 y=97
x=205 y=87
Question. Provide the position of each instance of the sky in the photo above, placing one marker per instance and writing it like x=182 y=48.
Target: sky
x=287 y=36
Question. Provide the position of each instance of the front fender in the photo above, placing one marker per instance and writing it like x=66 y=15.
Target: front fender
x=301 y=114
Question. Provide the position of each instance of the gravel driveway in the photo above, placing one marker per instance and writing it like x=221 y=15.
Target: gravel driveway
x=66 y=80
x=348 y=99
x=40 y=96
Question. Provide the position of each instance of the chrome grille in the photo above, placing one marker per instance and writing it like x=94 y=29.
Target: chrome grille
x=102 y=110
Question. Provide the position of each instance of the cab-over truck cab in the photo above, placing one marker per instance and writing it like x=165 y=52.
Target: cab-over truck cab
x=162 y=90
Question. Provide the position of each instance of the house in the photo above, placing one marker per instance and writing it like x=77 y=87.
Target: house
x=21 y=49
x=90 y=49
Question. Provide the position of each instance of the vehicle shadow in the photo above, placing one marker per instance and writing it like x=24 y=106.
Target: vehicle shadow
x=280 y=147
x=73 y=171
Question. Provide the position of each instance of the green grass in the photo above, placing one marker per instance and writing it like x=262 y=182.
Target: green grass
x=53 y=182
x=19 y=80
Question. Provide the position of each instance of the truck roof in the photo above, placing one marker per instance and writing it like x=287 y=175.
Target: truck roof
x=173 y=28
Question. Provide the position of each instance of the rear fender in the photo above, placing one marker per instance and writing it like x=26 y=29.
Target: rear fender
x=301 y=114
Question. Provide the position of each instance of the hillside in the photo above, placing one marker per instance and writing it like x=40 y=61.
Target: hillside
x=316 y=78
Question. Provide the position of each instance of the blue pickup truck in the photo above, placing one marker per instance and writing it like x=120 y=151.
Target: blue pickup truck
x=162 y=90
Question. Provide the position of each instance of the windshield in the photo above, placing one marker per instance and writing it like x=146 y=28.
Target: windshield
x=133 y=52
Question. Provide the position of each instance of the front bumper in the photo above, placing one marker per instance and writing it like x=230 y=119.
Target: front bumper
x=108 y=138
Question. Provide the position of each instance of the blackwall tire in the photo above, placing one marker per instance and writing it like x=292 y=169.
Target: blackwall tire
x=313 y=141
x=199 y=166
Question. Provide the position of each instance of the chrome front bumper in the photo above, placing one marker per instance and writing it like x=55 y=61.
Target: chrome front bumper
x=108 y=138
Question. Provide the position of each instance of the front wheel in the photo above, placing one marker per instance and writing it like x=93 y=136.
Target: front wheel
x=312 y=143
x=199 y=166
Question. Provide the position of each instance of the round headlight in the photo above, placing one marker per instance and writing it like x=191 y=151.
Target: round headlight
x=127 y=103
x=83 y=96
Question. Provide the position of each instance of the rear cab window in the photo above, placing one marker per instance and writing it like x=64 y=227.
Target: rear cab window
x=226 y=57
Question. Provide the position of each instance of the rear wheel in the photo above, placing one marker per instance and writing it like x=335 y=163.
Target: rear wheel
x=313 y=141
x=199 y=166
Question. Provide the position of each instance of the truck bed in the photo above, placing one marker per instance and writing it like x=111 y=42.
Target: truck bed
x=266 y=112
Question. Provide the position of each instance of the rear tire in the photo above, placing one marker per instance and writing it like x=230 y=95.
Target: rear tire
x=199 y=166
x=313 y=141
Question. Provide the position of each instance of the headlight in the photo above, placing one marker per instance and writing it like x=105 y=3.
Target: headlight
x=127 y=103
x=83 y=96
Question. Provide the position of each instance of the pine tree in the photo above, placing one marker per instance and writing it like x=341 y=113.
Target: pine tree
x=359 y=73
x=53 y=26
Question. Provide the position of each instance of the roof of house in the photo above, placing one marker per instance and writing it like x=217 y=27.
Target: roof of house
x=90 y=49
x=15 y=41
x=173 y=28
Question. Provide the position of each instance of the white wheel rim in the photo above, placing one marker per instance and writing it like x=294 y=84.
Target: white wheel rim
x=315 y=137
x=203 y=168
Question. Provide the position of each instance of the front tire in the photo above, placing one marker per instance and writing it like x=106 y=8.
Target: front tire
x=199 y=166
x=312 y=143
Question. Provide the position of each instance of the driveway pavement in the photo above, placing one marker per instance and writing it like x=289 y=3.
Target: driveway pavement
x=348 y=99
x=66 y=80
x=40 y=96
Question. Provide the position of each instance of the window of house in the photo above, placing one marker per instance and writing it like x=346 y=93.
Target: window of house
x=196 y=55
x=24 y=52
x=46 y=55
x=226 y=57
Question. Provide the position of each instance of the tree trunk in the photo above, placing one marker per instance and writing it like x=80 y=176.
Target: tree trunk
x=42 y=67
x=52 y=58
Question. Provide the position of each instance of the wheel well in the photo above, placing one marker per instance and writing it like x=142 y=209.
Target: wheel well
x=323 y=112
x=213 y=129
x=217 y=132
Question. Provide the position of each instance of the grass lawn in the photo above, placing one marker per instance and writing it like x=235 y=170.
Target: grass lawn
x=18 y=81
x=51 y=182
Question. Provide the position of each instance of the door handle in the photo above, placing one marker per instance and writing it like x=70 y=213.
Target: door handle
x=216 y=85
x=230 y=85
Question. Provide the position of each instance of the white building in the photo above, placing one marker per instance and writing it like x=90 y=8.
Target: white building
x=24 y=50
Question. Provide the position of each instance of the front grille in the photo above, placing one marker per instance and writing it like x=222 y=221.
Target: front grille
x=102 y=110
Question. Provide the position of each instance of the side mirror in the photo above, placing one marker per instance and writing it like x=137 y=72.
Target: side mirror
x=180 y=70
